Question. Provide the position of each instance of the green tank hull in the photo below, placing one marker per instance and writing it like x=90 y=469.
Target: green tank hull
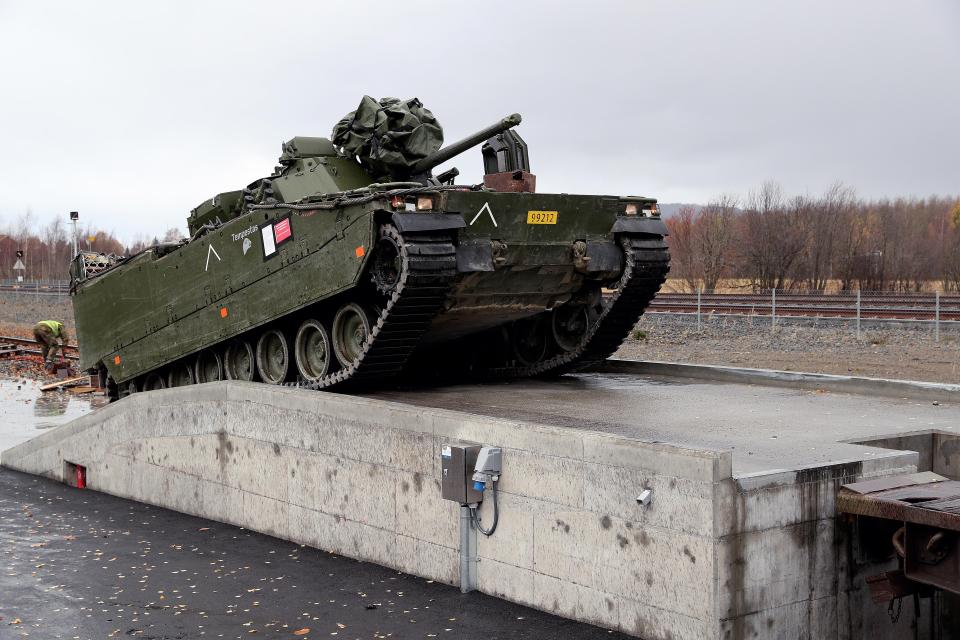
x=317 y=277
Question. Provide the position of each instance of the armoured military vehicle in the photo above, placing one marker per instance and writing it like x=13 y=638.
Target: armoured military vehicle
x=352 y=264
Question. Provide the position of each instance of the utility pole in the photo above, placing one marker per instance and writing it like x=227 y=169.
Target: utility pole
x=74 y=217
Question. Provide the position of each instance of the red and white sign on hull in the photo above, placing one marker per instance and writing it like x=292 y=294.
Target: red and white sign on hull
x=275 y=234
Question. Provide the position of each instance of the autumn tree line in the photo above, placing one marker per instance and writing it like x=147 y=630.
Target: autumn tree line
x=47 y=246
x=834 y=241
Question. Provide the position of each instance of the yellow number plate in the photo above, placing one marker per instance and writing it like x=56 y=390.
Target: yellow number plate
x=541 y=217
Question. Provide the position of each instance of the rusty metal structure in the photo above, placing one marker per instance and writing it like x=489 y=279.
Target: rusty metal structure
x=915 y=517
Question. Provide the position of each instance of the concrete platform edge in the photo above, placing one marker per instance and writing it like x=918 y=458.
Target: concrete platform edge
x=360 y=478
x=713 y=556
x=884 y=387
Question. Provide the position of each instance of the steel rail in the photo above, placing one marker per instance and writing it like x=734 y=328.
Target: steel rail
x=879 y=306
x=880 y=298
x=15 y=340
x=33 y=287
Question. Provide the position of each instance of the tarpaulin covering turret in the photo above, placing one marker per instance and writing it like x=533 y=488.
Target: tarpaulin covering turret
x=390 y=135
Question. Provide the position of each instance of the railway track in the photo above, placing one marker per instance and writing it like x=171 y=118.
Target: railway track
x=11 y=344
x=897 y=306
x=34 y=288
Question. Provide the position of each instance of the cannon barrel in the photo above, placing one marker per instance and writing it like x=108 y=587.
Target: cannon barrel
x=442 y=155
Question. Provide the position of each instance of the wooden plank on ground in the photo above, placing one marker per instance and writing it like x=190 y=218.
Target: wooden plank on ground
x=69 y=382
x=82 y=390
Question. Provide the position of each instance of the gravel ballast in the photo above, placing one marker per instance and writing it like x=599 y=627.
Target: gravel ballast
x=902 y=352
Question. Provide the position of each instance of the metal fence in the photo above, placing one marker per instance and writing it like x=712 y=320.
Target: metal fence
x=26 y=302
x=47 y=287
x=938 y=310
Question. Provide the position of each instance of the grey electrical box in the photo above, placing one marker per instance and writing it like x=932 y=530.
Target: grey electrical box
x=457 y=474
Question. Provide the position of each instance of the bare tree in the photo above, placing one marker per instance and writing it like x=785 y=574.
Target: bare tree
x=172 y=235
x=849 y=244
x=951 y=254
x=824 y=223
x=681 y=226
x=56 y=248
x=701 y=241
x=772 y=239
x=714 y=239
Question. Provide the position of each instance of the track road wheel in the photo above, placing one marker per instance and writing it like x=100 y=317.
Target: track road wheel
x=208 y=367
x=311 y=350
x=273 y=357
x=239 y=363
x=387 y=260
x=351 y=329
x=180 y=374
x=529 y=341
x=154 y=381
x=569 y=325
x=128 y=388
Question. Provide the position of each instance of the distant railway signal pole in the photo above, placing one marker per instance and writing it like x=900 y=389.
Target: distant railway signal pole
x=19 y=266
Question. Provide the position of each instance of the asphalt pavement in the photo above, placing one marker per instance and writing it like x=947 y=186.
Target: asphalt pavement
x=86 y=565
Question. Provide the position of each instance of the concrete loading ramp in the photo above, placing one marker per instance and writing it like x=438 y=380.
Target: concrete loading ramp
x=766 y=427
x=725 y=549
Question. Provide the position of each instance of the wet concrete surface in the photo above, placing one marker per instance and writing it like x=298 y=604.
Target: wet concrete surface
x=82 y=564
x=768 y=428
x=25 y=411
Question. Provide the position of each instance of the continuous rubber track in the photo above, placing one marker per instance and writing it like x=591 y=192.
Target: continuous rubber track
x=429 y=268
x=429 y=265
x=645 y=270
x=648 y=262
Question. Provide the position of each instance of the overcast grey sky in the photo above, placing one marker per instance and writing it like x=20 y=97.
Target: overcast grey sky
x=133 y=114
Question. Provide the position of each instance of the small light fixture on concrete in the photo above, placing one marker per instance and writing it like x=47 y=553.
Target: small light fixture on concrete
x=645 y=497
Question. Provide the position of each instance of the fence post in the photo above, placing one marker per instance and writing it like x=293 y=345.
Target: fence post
x=773 y=308
x=699 y=291
x=858 y=314
x=936 y=317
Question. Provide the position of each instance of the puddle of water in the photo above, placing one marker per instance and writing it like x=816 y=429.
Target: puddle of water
x=25 y=411
x=619 y=381
x=50 y=404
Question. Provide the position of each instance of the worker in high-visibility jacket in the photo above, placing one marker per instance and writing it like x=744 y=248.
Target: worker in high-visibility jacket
x=52 y=337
